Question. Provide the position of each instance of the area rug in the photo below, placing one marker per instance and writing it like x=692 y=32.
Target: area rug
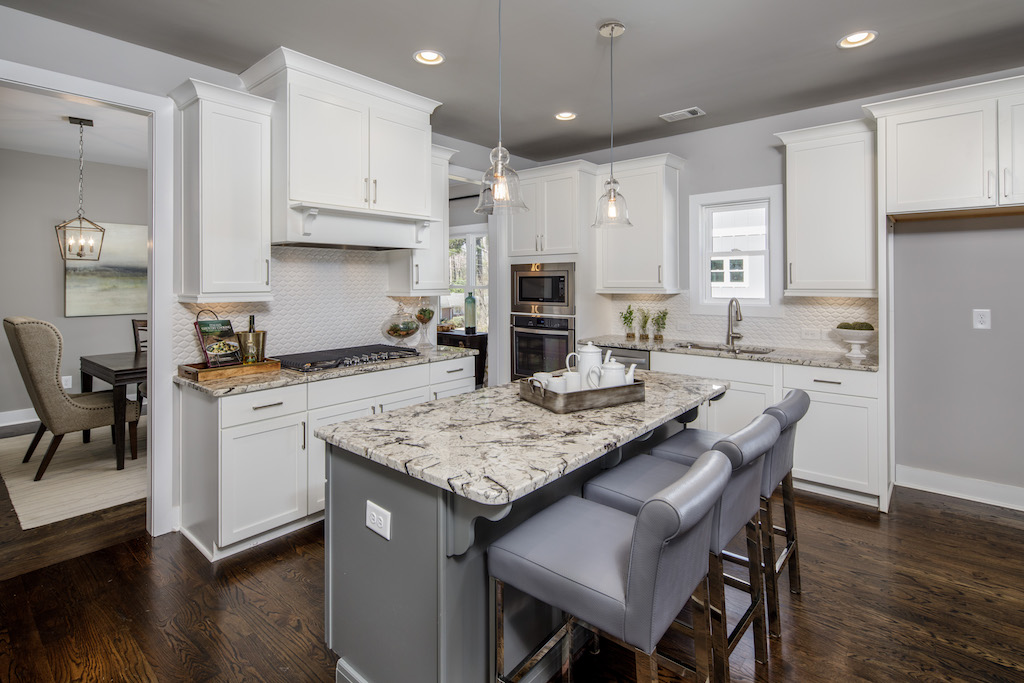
x=81 y=477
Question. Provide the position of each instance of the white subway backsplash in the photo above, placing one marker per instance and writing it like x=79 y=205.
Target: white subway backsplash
x=800 y=314
x=323 y=299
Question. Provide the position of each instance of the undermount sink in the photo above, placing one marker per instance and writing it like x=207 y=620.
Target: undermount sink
x=755 y=350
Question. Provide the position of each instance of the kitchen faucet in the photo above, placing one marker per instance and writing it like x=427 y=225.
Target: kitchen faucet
x=735 y=315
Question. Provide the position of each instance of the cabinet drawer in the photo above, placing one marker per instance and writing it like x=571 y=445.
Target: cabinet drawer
x=730 y=369
x=261 y=405
x=449 y=370
x=454 y=388
x=330 y=392
x=831 y=380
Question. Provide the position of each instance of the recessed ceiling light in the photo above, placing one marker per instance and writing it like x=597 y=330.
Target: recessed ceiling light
x=565 y=115
x=857 y=39
x=429 y=57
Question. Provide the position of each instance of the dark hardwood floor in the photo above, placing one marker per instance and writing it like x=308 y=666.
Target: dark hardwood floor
x=934 y=591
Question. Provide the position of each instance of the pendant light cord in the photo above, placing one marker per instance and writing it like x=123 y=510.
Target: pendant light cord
x=611 y=80
x=499 y=73
x=81 y=170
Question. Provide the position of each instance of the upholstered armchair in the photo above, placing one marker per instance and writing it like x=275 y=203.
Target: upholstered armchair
x=38 y=347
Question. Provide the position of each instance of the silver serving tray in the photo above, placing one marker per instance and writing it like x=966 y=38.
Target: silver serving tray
x=585 y=399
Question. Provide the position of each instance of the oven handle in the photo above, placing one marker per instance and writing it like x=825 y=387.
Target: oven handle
x=547 y=333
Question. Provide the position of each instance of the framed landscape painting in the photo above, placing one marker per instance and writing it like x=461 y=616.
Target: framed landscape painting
x=117 y=283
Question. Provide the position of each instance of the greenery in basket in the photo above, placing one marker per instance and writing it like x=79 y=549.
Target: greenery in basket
x=627 y=317
x=660 y=320
x=855 y=326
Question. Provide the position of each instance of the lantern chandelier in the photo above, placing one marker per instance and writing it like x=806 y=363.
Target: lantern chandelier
x=79 y=239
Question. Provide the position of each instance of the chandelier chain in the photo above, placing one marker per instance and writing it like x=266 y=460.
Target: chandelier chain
x=81 y=169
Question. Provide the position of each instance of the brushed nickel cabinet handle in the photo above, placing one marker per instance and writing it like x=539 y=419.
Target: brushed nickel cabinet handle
x=988 y=183
x=381 y=408
x=828 y=381
x=374 y=190
x=374 y=409
x=790 y=272
x=417 y=273
x=455 y=370
x=435 y=395
x=1006 y=182
x=269 y=405
x=366 y=190
x=659 y=275
x=268 y=272
x=303 y=435
x=542 y=242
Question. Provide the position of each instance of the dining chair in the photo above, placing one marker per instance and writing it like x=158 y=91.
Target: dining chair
x=140 y=328
x=626 y=577
x=38 y=348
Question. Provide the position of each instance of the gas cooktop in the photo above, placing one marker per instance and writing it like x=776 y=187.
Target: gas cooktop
x=315 y=361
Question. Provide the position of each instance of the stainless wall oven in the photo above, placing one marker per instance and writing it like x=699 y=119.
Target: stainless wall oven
x=544 y=288
x=540 y=343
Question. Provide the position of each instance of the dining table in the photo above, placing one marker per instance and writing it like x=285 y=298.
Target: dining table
x=118 y=370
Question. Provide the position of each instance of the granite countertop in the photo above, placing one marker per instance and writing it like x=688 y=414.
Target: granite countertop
x=820 y=359
x=285 y=378
x=492 y=447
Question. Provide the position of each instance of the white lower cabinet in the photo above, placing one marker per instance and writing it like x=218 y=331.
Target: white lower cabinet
x=839 y=448
x=251 y=466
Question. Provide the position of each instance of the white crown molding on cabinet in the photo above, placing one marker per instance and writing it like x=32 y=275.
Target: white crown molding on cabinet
x=282 y=58
x=827 y=131
x=939 y=98
x=194 y=89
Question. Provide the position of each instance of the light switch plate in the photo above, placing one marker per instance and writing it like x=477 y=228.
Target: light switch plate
x=378 y=520
x=982 y=318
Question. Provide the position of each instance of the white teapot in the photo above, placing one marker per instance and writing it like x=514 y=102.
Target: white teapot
x=611 y=373
x=588 y=357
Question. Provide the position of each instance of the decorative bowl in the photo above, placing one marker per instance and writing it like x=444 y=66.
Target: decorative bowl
x=856 y=339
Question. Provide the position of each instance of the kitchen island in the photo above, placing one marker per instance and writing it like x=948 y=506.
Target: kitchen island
x=408 y=600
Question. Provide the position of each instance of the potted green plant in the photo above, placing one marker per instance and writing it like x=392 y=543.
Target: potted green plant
x=627 y=322
x=645 y=318
x=660 y=319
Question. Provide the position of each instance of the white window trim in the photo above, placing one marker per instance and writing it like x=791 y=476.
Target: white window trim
x=698 y=202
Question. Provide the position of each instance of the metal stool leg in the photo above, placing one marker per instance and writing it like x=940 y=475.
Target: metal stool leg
x=792 y=551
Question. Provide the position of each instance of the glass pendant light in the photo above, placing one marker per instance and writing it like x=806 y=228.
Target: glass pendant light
x=79 y=239
x=611 y=206
x=500 y=188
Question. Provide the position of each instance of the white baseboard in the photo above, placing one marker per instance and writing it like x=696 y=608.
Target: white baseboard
x=17 y=417
x=841 y=494
x=978 y=490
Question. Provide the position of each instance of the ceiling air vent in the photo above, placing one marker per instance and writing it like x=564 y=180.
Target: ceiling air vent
x=683 y=114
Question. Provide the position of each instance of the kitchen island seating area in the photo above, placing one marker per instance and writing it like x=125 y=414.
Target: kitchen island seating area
x=628 y=487
x=620 y=575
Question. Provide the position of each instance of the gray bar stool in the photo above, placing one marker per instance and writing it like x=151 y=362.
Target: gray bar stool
x=623 y=486
x=686 y=446
x=622 y=575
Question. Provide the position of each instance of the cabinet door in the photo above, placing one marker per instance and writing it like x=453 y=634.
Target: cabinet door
x=400 y=162
x=830 y=216
x=235 y=204
x=445 y=389
x=430 y=266
x=525 y=227
x=322 y=417
x=328 y=149
x=561 y=223
x=1011 y=150
x=633 y=258
x=263 y=477
x=738 y=406
x=836 y=442
x=941 y=158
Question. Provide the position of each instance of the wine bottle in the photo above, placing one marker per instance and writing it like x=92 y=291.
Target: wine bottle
x=470 y=305
x=252 y=323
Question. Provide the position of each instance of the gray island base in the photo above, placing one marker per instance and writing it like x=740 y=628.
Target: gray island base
x=454 y=475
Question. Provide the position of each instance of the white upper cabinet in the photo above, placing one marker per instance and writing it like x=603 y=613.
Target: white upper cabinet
x=559 y=198
x=357 y=151
x=226 y=194
x=830 y=210
x=954 y=149
x=644 y=258
x=424 y=271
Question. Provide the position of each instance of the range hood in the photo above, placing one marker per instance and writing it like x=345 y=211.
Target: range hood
x=329 y=227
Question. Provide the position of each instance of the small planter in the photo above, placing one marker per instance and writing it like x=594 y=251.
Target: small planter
x=630 y=336
x=659 y=337
x=644 y=336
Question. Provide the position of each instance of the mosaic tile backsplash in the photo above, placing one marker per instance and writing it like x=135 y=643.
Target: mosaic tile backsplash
x=800 y=314
x=323 y=299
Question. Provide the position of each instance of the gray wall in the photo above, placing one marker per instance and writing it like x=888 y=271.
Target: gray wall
x=957 y=389
x=38 y=192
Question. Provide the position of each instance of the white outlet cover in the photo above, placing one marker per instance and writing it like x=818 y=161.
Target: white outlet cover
x=66 y=381
x=982 y=318
x=378 y=520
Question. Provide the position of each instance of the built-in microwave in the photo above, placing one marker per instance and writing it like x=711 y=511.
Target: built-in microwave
x=544 y=288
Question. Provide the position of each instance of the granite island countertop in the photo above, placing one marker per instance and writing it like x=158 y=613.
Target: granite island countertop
x=284 y=378
x=820 y=359
x=492 y=447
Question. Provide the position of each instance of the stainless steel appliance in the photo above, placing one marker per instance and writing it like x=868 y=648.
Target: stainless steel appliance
x=314 y=361
x=544 y=288
x=629 y=356
x=540 y=343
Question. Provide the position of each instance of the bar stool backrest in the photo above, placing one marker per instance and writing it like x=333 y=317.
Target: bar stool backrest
x=741 y=500
x=779 y=461
x=668 y=558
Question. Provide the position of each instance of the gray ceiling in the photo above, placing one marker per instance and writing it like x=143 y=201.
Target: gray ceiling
x=736 y=59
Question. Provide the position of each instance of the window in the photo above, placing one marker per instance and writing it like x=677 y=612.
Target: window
x=736 y=250
x=468 y=261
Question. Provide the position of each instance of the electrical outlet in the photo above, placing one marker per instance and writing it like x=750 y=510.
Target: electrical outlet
x=982 y=318
x=681 y=326
x=378 y=520
x=66 y=381
x=809 y=333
